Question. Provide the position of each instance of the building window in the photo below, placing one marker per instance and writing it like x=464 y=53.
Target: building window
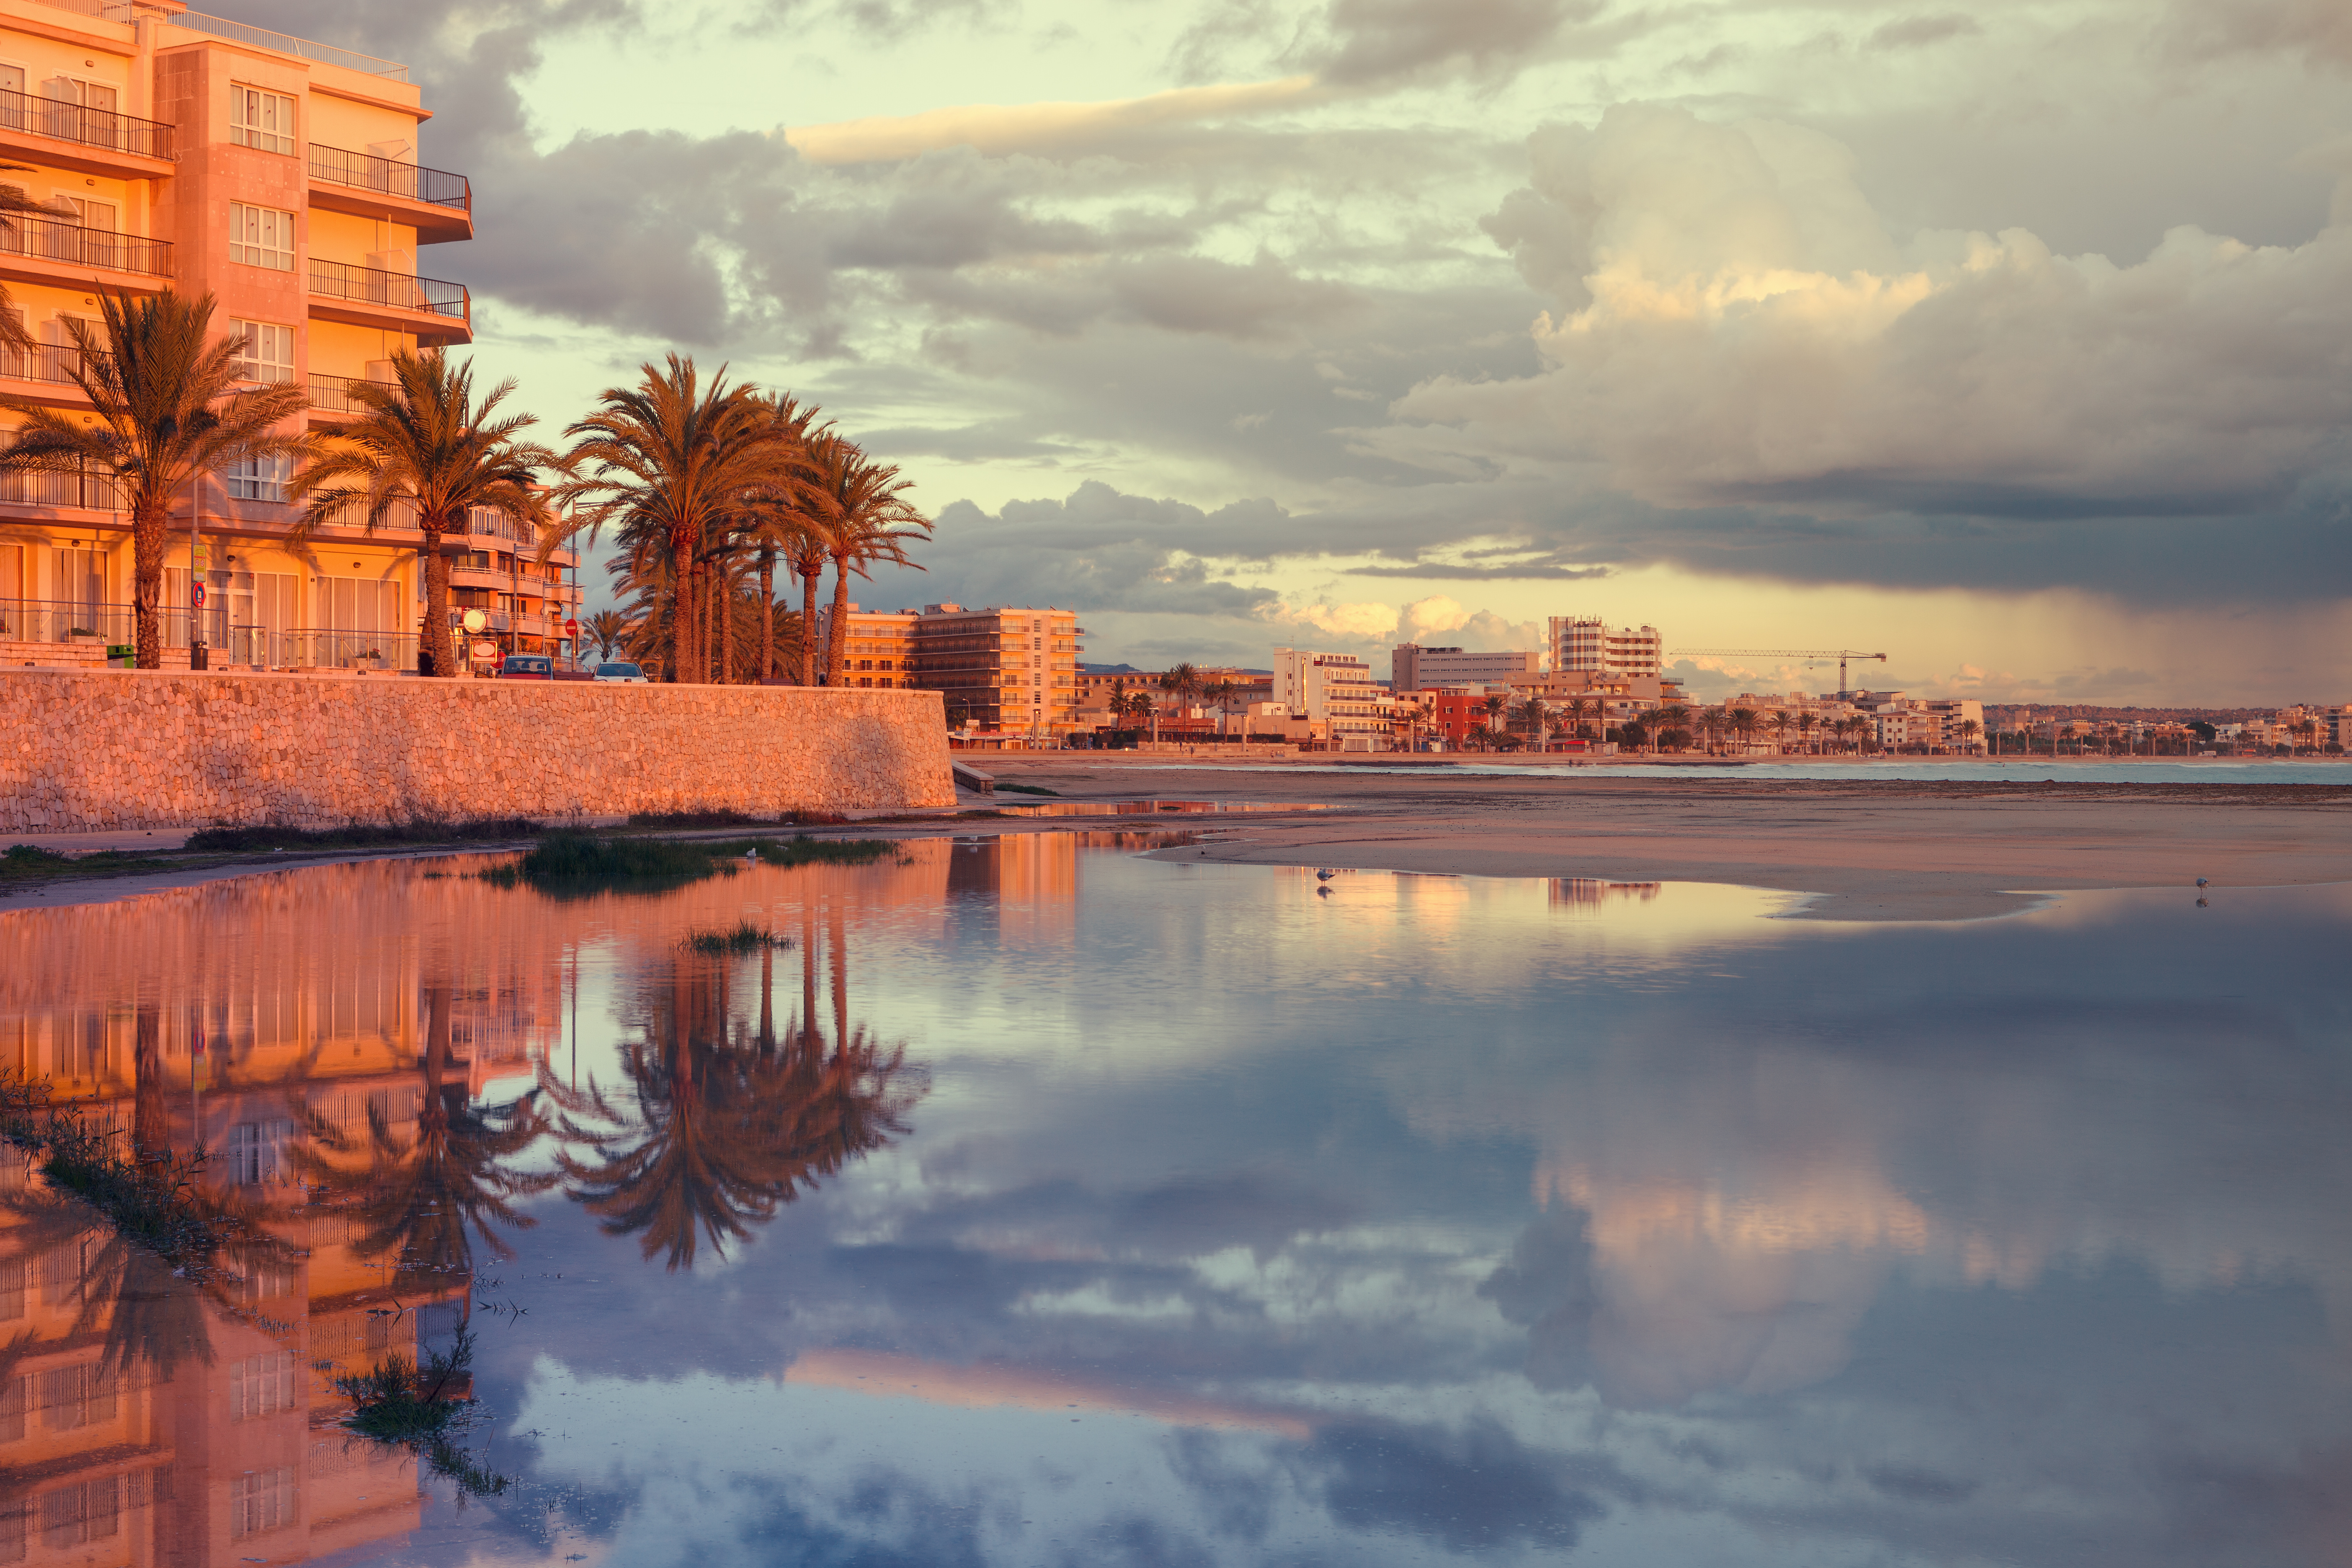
x=261 y=236
x=258 y=478
x=260 y=120
x=255 y=1150
x=260 y=1501
x=261 y=1386
x=266 y=352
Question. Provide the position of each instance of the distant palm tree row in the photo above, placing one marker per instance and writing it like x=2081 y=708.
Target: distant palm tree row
x=712 y=488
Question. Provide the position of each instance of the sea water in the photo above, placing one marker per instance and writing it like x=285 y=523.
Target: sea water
x=1040 y=1200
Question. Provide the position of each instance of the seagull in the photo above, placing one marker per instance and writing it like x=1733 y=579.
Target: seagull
x=1324 y=873
x=2200 y=881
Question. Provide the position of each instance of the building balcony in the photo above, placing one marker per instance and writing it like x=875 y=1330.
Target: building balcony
x=35 y=249
x=331 y=395
x=87 y=141
x=439 y=204
x=438 y=313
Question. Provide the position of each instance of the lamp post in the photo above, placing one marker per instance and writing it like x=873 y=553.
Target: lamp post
x=474 y=621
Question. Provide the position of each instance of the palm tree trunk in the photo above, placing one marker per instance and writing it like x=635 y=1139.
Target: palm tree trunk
x=150 y=1133
x=147 y=527
x=767 y=614
x=836 y=636
x=809 y=580
x=726 y=628
x=435 y=656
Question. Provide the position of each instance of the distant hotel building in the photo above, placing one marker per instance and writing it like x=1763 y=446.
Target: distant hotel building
x=1416 y=669
x=177 y=149
x=1337 y=691
x=1000 y=669
x=1587 y=643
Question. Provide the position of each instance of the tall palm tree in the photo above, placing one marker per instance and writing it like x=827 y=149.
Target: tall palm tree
x=166 y=417
x=862 y=508
x=783 y=518
x=1183 y=683
x=1221 y=692
x=422 y=444
x=671 y=460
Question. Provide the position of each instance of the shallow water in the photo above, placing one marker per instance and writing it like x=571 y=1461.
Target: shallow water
x=2237 y=771
x=1044 y=1203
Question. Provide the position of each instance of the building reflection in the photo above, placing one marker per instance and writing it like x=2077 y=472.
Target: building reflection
x=368 y=1056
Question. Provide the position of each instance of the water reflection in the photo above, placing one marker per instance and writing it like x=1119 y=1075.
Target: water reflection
x=727 y=1124
x=366 y=1066
x=1210 y=1219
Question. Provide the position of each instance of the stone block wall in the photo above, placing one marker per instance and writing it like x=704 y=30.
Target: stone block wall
x=84 y=751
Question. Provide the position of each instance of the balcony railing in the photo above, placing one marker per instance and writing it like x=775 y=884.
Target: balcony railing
x=396 y=290
x=54 y=239
x=51 y=362
x=90 y=127
x=332 y=393
x=88 y=491
x=367 y=171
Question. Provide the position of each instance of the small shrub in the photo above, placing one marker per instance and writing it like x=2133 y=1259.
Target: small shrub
x=691 y=819
x=802 y=850
x=424 y=1408
x=28 y=854
x=745 y=938
x=239 y=840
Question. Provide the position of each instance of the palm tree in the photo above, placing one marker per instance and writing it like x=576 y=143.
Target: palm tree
x=1782 y=724
x=668 y=461
x=865 y=518
x=1674 y=717
x=1969 y=731
x=1805 y=723
x=784 y=519
x=1532 y=717
x=1495 y=705
x=1743 y=723
x=422 y=444
x=1183 y=683
x=166 y=417
x=608 y=629
x=1221 y=692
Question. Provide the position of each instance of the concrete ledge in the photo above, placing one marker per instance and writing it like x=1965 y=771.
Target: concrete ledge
x=98 y=750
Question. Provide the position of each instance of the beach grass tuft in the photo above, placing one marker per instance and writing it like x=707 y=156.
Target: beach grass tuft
x=745 y=938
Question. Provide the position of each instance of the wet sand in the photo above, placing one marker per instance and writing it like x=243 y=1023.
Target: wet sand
x=1883 y=850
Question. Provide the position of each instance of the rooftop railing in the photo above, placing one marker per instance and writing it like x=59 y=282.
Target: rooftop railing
x=287 y=44
x=54 y=239
x=396 y=290
x=90 y=127
x=367 y=171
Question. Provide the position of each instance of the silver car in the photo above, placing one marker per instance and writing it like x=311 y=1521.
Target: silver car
x=629 y=673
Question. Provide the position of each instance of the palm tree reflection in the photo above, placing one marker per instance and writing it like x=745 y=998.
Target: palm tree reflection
x=729 y=1125
x=413 y=1201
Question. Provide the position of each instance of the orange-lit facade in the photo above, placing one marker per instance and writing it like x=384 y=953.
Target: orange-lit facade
x=180 y=149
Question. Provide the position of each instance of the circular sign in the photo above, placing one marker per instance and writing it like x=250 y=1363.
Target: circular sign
x=485 y=651
x=476 y=620
x=200 y=596
x=570 y=628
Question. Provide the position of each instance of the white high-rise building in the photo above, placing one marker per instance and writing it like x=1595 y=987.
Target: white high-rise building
x=1589 y=642
x=1413 y=667
x=1335 y=689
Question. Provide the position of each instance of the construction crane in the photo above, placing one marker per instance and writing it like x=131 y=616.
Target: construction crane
x=1839 y=654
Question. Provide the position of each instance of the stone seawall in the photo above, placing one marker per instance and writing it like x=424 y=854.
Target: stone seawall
x=113 y=749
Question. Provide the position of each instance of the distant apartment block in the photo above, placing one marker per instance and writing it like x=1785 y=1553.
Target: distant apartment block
x=1335 y=689
x=1000 y=668
x=1413 y=667
x=1589 y=642
x=170 y=148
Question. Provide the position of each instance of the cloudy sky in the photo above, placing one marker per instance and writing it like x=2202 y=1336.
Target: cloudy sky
x=2014 y=339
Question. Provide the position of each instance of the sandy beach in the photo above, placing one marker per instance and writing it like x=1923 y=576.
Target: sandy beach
x=1872 y=850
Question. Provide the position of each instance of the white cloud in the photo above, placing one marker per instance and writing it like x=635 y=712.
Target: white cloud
x=1740 y=327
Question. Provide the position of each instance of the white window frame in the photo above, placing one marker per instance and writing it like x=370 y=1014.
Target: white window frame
x=275 y=130
x=261 y=236
x=258 y=478
x=267 y=354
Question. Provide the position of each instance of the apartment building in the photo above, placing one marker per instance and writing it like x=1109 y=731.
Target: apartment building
x=1007 y=670
x=180 y=150
x=1412 y=667
x=878 y=645
x=1589 y=642
x=1337 y=691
